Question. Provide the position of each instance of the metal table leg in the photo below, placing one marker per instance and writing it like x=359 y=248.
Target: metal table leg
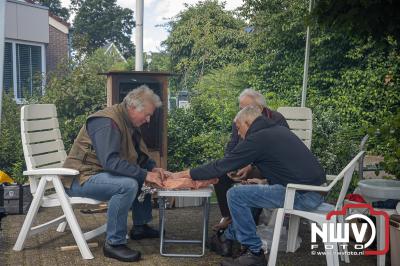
x=163 y=240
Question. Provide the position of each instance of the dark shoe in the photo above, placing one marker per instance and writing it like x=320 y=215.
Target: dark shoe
x=246 y=259
x=220 y=244
x=143 y=231
x=121 y=252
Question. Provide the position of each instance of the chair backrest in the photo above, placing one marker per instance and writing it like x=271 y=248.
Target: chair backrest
x=41 y=139
x=346 y=174
x=300 y=122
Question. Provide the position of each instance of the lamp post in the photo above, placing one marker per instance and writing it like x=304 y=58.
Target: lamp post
x=306 y=60
x=139 y=36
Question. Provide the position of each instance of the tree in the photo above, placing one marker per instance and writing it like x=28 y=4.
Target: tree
x=55 y=8
x=98 y=22
x=376 y=18
x=204 y=37
x=159 y=62
x=276 y=46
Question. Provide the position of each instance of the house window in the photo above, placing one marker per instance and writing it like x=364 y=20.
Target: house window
x=23 y=69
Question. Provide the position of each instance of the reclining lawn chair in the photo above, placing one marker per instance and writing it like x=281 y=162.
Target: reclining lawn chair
x=44 y=156
x=318 y=216
x=300 y=122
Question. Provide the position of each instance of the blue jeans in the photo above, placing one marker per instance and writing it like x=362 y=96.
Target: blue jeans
x=121 y=193
x=241 y=199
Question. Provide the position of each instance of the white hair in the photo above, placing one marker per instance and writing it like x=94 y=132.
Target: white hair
x=139 y=97
x=255 y=95
x=248 y=114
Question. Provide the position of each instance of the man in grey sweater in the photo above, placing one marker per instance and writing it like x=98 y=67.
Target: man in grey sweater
x=282 y=158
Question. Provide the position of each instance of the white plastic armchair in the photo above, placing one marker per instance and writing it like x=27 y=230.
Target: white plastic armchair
x=318 y=216
x=299 y=120
x=44 y=156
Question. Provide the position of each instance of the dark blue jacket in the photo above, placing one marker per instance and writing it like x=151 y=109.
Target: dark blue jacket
x=278 y=153
x=275 y=116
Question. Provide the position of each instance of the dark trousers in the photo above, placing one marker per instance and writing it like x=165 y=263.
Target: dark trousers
x=221 y=190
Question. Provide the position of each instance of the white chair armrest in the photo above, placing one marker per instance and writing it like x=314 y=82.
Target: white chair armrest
x=330 y=177
x=307 y=187
x=52 y=171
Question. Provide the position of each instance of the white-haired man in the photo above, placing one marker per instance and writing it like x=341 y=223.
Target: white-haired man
x=282 y=158
x=113 y=164
x=247 y=97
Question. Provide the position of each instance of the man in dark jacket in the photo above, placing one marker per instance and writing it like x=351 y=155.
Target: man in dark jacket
x=246 y=98
x=282 y=158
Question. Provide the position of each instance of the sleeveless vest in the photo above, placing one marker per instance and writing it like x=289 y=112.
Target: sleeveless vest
x=82 y=156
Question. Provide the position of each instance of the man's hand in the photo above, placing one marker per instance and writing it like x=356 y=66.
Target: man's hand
x=183 y=174
x=154 y=178
x=255 y=181
x=160 y=171
x=242 y=173
x=232 y=174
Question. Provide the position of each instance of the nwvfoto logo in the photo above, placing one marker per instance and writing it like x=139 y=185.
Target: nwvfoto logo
x=336 y=232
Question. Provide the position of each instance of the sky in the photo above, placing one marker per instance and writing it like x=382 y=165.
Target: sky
x=158 y=12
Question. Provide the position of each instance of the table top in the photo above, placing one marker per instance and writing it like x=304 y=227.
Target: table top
x=202 y=192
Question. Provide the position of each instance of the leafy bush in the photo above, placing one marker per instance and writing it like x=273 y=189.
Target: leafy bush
x=11 y=156
x=387 y=139
x=333 y=142
x=353 y=82
x=199 y=134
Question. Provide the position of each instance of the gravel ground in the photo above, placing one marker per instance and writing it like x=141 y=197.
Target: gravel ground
x=44 y=249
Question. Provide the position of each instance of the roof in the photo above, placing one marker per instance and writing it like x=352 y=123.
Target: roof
x=108 y=46
x=59 y=20
x=141 y=73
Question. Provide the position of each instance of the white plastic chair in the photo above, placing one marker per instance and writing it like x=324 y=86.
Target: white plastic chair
x=44 y=156
x=318 y=216
x=300 y=122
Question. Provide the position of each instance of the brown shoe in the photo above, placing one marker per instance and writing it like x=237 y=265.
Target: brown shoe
x=223 y=224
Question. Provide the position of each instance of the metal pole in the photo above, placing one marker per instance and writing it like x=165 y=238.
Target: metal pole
x=306 y=60
x=2 y=33
x=139 y=36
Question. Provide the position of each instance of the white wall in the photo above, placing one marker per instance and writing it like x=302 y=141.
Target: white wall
x=26 y=22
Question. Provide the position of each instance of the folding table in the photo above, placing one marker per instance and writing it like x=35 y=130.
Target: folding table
x=205 y=194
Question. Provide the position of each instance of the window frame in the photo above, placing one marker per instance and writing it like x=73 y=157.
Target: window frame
x=14 y=61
